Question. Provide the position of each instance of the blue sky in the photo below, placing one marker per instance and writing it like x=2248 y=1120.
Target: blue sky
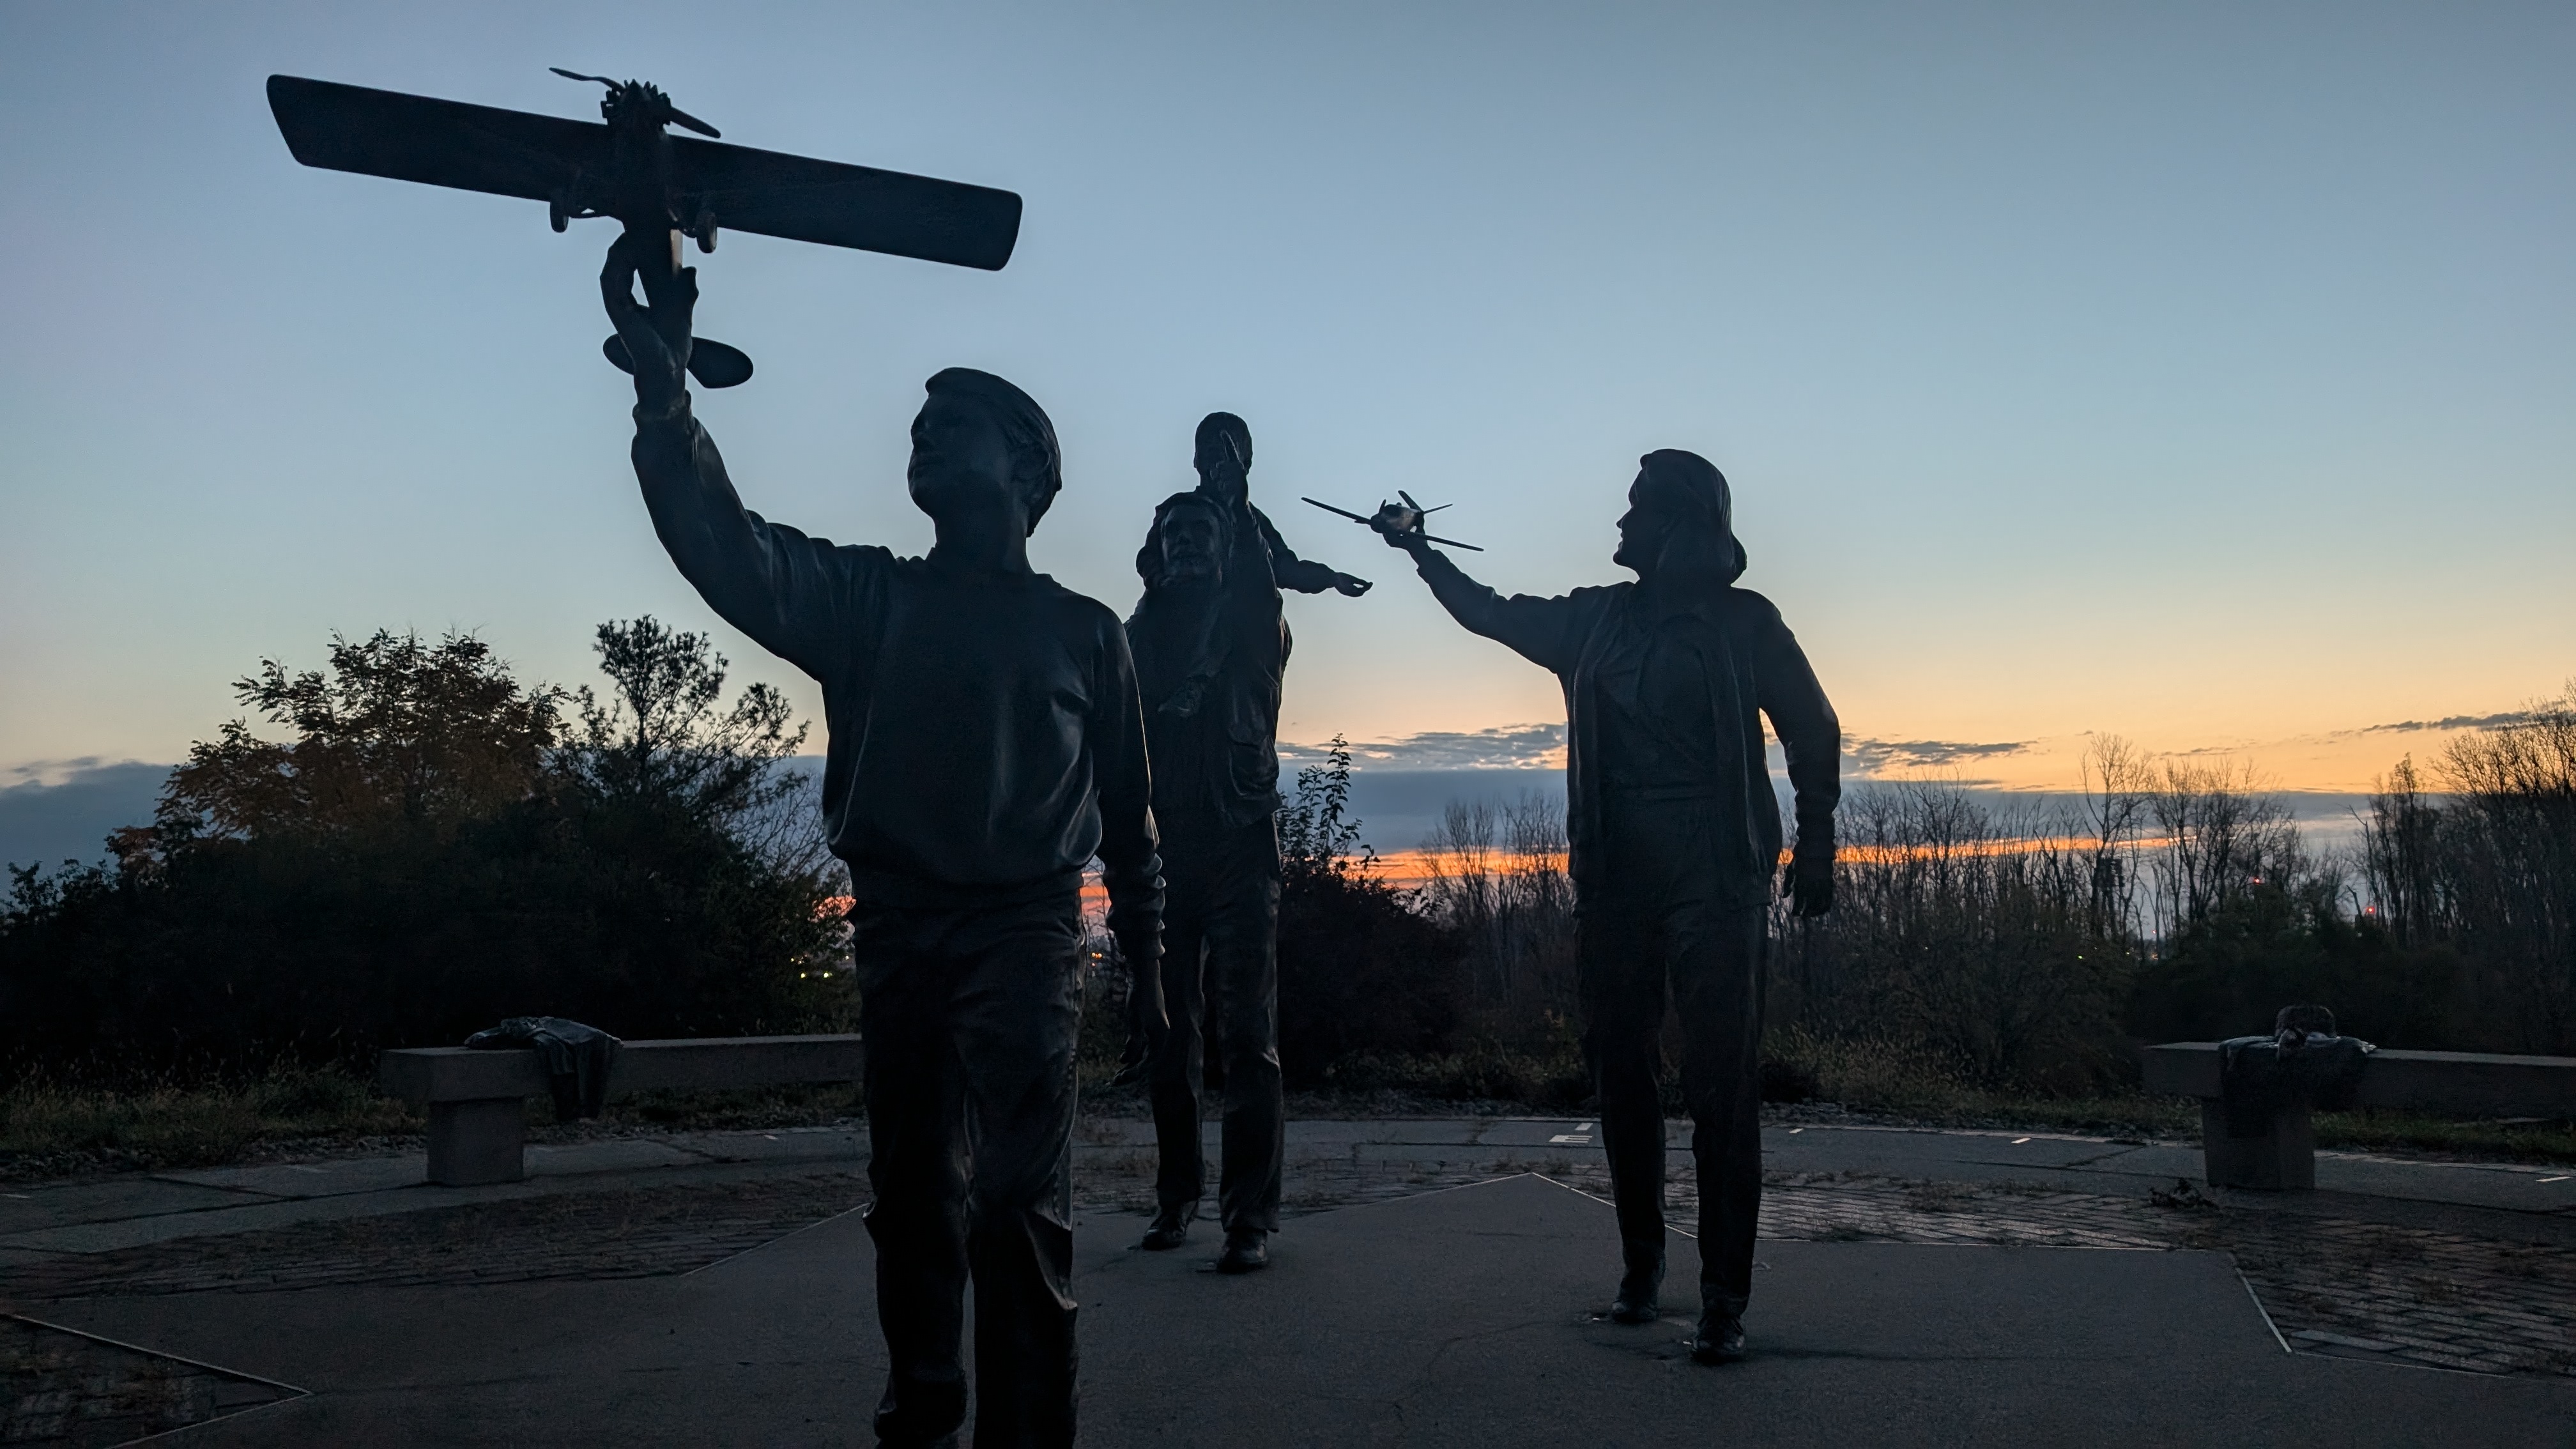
x=2200 y=373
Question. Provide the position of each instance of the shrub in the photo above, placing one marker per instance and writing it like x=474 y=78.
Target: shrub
x=1360 y=970
x=433 y=849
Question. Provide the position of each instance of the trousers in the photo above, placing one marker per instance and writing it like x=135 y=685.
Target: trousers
x=1221 y=949
x=1665 y=920
x=970 y=1018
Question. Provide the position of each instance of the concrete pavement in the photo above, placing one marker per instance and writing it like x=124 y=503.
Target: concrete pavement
x=1464 y=1317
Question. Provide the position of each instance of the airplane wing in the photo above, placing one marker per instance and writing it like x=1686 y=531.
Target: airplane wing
x=439 y=143
x=839 y=205
x=543 y=158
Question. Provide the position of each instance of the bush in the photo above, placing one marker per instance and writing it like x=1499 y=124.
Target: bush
x=1360 y=970
x=434 y=849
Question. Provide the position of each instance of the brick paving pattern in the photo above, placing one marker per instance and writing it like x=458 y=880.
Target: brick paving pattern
x=67 y=1390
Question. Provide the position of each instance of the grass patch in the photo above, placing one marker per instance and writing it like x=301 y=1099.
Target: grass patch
x=50 y=1130
x=2414 y=1132
x=1897 y=1079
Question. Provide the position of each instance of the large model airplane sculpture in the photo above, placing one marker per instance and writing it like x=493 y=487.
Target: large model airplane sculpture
x=659 y=185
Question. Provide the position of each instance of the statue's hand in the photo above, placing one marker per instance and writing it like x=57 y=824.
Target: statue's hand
x=1810 y=885
x=656 y=337
x=1148 y=1027
x=1349 y=587
x=1401 y=528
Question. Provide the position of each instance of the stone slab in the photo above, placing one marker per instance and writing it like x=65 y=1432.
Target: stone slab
x=1459 y=1318
x=332 y=1178
x=796 y=1144
x=445 y=1074
x=29 y=1208
x=2469 y=1084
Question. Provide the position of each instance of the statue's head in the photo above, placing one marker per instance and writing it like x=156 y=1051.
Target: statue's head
x=1224 y=453
x=978 y=445
x=1186 y=544
x=1680 y=523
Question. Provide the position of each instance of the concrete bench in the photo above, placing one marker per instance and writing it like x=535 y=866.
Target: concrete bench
x=477 y=1131
x=2458 y=1084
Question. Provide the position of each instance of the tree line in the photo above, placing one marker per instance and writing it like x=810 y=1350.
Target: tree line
x=411 y=844
x=2036 y=948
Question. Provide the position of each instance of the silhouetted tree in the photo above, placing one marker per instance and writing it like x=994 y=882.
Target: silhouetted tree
x=428 y=848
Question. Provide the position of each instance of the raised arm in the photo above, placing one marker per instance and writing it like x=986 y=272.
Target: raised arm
x=1546 y=632
x=796 y=596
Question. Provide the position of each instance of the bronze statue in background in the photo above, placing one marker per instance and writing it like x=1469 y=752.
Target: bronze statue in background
x=1675 y=842
x=985 y=744
x=1211 y=650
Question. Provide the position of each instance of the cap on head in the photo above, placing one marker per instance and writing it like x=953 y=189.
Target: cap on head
x=1226 y=423
x=1038 y=463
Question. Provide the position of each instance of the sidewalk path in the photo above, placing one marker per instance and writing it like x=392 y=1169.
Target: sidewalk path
x=2452 y=1265
x=1457 y=1318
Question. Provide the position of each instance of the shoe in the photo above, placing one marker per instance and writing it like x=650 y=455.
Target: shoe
x=1720 y=1340
x=1247 y=1250
x=1169 y=1231
x=1636 y=1302
x=1640 y=1292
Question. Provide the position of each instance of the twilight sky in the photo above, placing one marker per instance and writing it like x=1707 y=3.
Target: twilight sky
x=2205 y=374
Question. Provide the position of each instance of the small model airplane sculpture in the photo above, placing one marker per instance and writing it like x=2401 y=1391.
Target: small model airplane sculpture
x=1405 y=517
x=659 y=185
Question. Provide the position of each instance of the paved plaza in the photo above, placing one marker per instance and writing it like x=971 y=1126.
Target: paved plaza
x=1439 y=1283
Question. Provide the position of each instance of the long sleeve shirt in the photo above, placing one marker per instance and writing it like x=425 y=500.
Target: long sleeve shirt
x=1211 y=668
x=984 y=735
x=1286 y=569
x=1748 y=660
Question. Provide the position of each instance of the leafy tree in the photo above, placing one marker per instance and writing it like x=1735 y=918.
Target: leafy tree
x=430 y=848
x=399 y=733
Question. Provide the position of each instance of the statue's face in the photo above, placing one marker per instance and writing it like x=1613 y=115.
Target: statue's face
x=1644 y=527
x=961 y=462
x=1189 y=545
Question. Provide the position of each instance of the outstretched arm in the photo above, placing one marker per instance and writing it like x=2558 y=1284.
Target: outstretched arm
x=795 y=595
x=1546 y=632
x=1304 y=575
